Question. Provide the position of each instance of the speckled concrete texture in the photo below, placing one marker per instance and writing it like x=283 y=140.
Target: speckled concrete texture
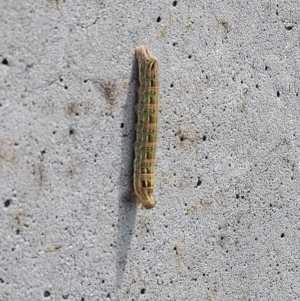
x=226 y=225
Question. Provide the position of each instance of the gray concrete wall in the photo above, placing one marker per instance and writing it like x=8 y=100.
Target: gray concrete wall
x=226 y=225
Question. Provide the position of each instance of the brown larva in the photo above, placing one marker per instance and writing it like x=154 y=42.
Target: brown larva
x=147 y=126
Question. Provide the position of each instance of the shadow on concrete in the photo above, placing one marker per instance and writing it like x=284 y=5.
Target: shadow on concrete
x=127 y=202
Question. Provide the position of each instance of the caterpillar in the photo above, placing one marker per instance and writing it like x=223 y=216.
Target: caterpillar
x=147 y=126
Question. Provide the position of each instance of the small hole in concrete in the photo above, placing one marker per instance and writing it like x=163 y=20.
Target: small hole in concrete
x=278 y=93
x=143 y=290
x=158 y=19
x=46 y=294
x=198 y=182
x=7 y=203
x=289 y=27
x=4 y=62
x=174 y=3
x=282 y=235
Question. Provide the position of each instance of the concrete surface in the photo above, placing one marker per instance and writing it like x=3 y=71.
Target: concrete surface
x=226 y=225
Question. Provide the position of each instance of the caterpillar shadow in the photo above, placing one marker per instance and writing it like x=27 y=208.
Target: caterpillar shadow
x=127 y=202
